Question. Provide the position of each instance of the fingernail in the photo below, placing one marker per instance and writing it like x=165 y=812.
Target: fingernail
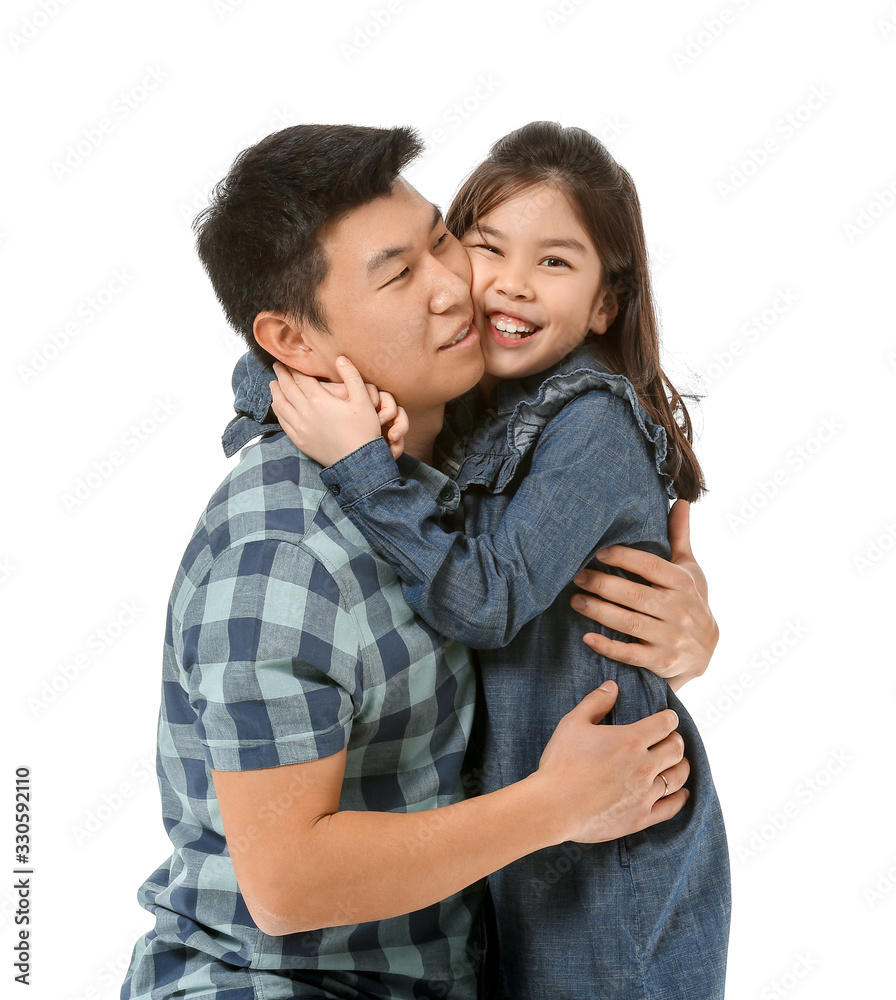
x=580 y=578
x=607 y=686
x=602 y=552
x=342 y=360
x=578 y=601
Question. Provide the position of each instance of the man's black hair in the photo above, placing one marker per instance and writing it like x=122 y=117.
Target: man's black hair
x=258 y=238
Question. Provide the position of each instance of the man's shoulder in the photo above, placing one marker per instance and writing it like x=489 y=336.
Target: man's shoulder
x=273 y=490
x=272 y=497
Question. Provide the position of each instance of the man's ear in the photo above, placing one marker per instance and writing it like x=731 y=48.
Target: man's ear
x=294 y=342
x=606 y=306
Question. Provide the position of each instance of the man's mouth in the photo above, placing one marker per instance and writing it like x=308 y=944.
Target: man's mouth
x=468 y=334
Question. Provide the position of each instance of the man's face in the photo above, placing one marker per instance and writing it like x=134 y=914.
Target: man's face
x=397 y=301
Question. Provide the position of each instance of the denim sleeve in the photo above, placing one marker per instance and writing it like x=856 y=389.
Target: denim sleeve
x=590 y=469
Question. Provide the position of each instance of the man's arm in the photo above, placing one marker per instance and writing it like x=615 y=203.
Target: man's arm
x=302 y=864
x=669 y=618
x=270 y=646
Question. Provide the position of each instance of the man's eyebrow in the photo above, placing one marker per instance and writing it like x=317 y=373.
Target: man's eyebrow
x=382 y=257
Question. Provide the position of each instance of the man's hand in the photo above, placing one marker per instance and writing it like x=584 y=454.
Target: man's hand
x=605 y=780
x=329 y=420
x=670 y=618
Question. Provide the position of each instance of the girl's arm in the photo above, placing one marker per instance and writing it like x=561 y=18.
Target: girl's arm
x=668 y=614
x=482 y=590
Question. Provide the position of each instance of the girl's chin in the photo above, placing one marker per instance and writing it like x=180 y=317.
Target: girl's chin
x=504 y=364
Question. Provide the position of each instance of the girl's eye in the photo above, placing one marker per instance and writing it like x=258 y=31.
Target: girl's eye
x=486 y=246
x=555 y=262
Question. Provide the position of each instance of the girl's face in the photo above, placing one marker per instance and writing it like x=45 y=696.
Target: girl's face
x=536 y=283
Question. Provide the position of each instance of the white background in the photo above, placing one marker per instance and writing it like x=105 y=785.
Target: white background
x=117 y=378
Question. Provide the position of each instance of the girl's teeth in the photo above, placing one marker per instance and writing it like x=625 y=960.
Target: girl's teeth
x=505 y=327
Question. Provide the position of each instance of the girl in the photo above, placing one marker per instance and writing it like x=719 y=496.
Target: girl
x=569 y=444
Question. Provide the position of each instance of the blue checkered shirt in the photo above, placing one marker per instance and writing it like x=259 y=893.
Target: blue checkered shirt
x=288 y=640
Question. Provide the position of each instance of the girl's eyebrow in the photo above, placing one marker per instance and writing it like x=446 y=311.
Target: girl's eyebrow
x=565 y=243
x=545 y=244
x=490 y=231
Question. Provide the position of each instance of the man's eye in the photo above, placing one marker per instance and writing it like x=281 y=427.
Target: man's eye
x=407 y=270
x=442 y=240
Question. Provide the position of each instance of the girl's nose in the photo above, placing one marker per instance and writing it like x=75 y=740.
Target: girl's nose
x=514 y=283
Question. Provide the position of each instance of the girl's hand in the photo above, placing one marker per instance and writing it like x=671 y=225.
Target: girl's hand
x=393 y=420
x=329 y=421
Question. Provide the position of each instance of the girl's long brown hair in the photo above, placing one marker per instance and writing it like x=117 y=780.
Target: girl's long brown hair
x=604 y=196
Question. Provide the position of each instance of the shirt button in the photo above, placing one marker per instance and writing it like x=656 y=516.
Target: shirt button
x=447 y=495
x=335 y=489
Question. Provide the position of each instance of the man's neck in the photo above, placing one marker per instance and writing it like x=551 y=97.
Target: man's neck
x=424 y=429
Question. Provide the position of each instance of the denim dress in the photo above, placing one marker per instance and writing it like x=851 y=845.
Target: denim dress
x=555 y=467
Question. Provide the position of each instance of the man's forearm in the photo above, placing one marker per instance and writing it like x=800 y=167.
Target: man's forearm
x=302 y=863
x=351 y=867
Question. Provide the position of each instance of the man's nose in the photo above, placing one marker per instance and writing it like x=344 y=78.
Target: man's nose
x=449 y=290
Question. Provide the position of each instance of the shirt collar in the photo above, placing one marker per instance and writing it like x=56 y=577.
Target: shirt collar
x=508 y=393
x=252 y=402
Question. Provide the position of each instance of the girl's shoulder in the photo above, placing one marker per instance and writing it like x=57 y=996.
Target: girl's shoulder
x=579 y=396
x=578 y=393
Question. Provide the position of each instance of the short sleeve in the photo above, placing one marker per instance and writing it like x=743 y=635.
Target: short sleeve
x=270 y=654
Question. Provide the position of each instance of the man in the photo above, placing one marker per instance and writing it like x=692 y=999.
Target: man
x=314 y=734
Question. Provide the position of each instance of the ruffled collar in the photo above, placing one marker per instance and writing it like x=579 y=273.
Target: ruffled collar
x=489 y=442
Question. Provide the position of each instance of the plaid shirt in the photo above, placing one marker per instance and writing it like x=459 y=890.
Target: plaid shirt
x=288 y=640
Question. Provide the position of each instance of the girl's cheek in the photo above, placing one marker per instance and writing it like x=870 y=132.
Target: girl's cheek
x=475 y=260
x=480 y=276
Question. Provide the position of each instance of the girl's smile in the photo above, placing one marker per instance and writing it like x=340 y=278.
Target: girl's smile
x=511 y=330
